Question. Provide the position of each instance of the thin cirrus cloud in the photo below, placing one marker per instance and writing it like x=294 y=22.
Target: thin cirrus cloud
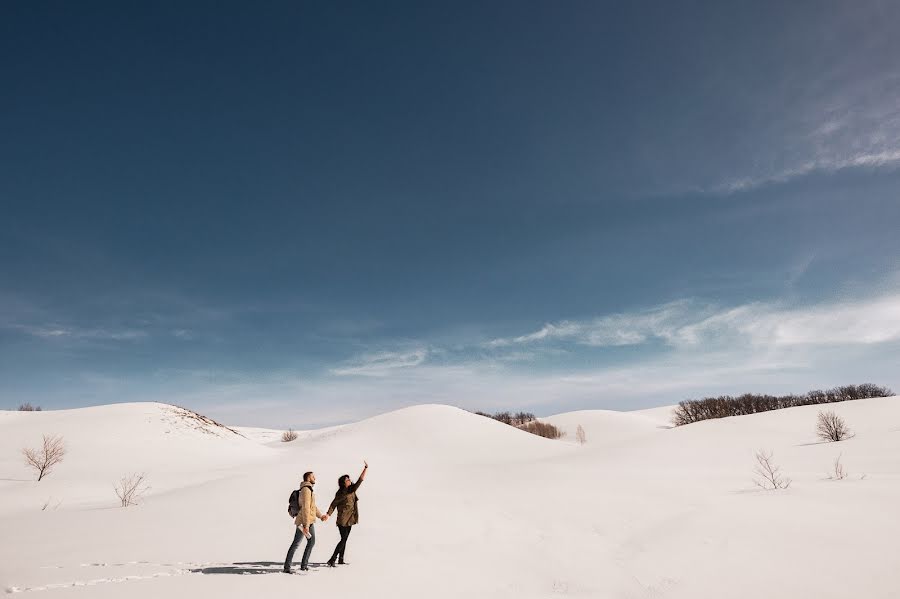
x=852 y=122
x=75 y=333
x=382 y=363
x=612 y=330
x=888 y=159
x=688 y=324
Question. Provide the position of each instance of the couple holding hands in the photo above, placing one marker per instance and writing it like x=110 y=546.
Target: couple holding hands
x=344 y=502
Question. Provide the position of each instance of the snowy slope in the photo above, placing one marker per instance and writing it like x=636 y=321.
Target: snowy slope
x=174 y=447
x=456 y=504
x=604 y=426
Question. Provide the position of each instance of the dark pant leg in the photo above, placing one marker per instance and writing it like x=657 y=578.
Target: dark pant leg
x=339 y=548
x=309 y=545
x=345 y=534
x=289 y=560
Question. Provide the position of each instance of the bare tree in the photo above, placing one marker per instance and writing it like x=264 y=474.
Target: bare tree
x=289 y=435
x=580 y=436
x=831 y=427
x=768 y=475
x=27 y=407
x=837 y=470
x=49 y=455
x=131 y=489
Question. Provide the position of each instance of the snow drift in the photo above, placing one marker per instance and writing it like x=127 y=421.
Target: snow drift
x=457 y=504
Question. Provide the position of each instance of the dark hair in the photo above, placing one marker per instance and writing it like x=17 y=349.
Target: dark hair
x=306 y=476
x=341 y=482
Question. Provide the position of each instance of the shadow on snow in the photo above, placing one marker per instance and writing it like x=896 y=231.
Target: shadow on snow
x=247 y=568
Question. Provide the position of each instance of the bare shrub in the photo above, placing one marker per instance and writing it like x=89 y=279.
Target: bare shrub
x=683 y=413
x=768 y=475
x=131 y=489
x=831 y=427
x=525 y=421
x=580 y=436
x=27 y=407
x=289 y=435
x=837 y=470
x=541 y=429
x=49 y=504
x=42 y=460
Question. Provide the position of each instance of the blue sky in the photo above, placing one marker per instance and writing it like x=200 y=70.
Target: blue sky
x=304 y=213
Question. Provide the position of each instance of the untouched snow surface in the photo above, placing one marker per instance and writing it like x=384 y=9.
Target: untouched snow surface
x=456 y=505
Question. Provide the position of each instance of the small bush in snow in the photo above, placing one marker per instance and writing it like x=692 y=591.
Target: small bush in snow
x=831 y=427
x=49 y=504
x=768 y=474
x=51 y=453
x=131 y=489
x=525 y=421
x=541 y=429
x=289 y=435
x=580 y=436
x=837 y=470
x=27 y=407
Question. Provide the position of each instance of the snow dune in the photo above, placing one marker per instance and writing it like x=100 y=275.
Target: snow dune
x=605 y=426
x=457 y=504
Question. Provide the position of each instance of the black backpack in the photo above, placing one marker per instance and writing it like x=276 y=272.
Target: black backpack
x=294 y=503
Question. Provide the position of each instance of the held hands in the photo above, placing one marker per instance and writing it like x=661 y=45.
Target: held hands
x=324 y=517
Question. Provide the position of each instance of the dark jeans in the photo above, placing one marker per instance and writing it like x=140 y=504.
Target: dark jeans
x=342 y=544
x=298 y=536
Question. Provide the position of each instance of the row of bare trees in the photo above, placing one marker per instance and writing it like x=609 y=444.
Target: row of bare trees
x=695 y=410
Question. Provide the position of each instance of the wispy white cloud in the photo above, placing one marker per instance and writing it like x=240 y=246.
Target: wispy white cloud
x=884 y=160
x=844 y=118
x=612 y=330
x=382 y=363
x=691 y=323
x=51 y=331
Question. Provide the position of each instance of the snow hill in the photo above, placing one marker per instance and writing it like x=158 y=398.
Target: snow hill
x=456 y=505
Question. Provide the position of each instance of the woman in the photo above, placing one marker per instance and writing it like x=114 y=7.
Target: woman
x=345 y=503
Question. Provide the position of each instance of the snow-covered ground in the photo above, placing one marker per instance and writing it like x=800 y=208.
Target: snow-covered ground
x=457 y=505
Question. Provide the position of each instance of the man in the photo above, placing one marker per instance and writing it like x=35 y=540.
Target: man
x=304 y=523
